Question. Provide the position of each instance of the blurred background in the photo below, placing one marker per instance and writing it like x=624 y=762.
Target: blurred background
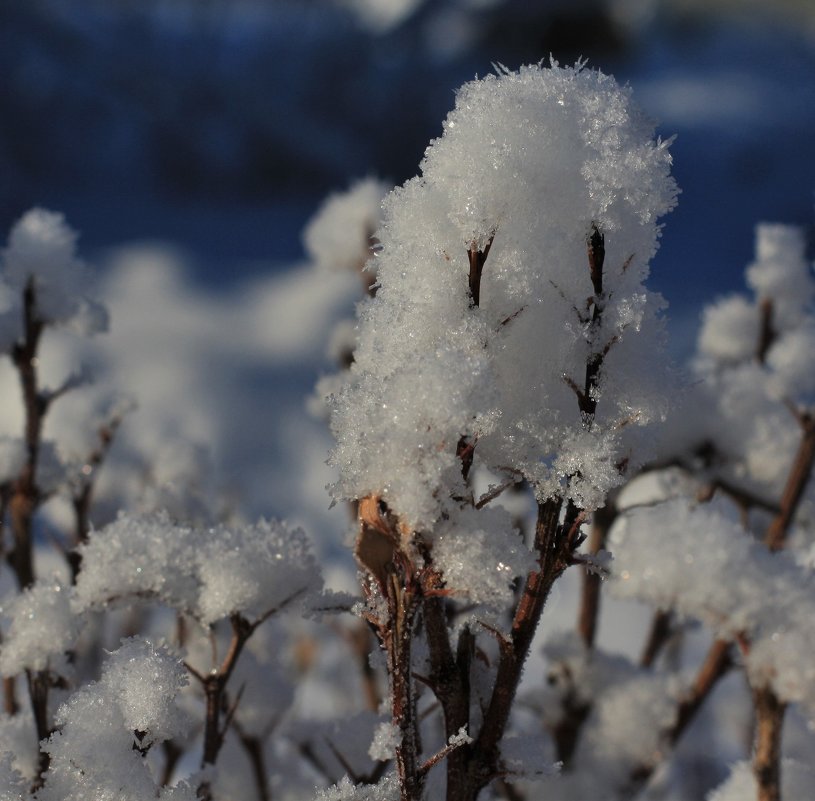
x=157 y=118
x=189 y=141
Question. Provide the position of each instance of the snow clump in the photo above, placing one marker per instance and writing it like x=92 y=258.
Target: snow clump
x=531 y=164
x=105 y=728
x=208 y=573
x=41 y=254
x=41 y=626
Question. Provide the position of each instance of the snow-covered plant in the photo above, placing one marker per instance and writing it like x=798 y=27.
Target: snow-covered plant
x=511 y=333
x=504 y=413
x=216 y=579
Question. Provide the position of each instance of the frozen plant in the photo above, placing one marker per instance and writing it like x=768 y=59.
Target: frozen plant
x=512 y=332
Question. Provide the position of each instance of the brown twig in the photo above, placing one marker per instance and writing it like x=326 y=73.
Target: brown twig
x=767 y=749
x=588 y=616
x=716 y=664
x=658 y=636
x=797 y=481
x=39 y=683
x=25 y=493
x=483 y=763
x=172 y=754
x=82 y=496
x=214 y=685
x=477 y=258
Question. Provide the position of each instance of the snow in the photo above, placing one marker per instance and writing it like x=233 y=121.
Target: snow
x=339 y=235
x=796 y=782
x=702 y=565
x=211 y=573
x=94 y=753
x=42 y=250
x=386 y=789
x=480 y=555
x=40 y=626
x=511 y=139
x=194 y=357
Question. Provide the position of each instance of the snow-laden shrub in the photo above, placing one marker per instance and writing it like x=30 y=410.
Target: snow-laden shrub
x=529 y=166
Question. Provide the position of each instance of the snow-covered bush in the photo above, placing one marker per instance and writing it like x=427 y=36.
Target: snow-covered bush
x=506 y=422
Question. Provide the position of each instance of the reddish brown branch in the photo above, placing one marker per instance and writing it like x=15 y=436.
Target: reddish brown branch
x=551 y=545
x=717 y=663
x=590 y=596
x=767 y=751
x=82 y=497
x=797 y=481
x=477 y=259
x=658 y=636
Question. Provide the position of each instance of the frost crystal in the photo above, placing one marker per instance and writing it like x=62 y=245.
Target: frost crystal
x=481 y=554
x=386 y=738
x=385 y=790
x=528 y=163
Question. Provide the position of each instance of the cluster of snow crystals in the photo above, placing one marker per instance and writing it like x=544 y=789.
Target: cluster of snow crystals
x=781 y=277
x=340 y=234
x=531 y=160
x=480 y=554
x=460 y=738
x=42 y=249
x=386 y=738
x=729 y=331
x=94 y=753
x=386 y=789
x=780 y=273
x=629 y=708
x=145 y=680
x=209 y=573
x=41 y=626
x=706 y=567
x=797 y=781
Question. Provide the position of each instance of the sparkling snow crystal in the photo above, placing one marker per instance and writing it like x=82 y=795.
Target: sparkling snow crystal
x=530 y=162
x=96 y=751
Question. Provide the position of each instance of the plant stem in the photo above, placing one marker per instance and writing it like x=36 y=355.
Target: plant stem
x=658 y=636
x=477 y=258
x=767 y=752
x=25 y=493
x=589 y=614
x=797 y=481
